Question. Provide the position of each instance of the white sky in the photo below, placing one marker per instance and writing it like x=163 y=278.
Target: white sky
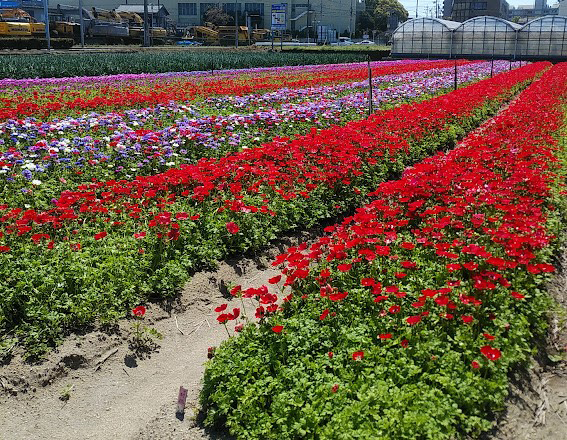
x=426 y=5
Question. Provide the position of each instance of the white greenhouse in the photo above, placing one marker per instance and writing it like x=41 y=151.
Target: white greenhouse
x=482 y=37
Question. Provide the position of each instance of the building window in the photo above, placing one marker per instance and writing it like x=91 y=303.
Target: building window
x=187 y=8
x=479 y=6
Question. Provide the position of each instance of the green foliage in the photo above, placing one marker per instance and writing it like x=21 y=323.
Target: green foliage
x=68 y=65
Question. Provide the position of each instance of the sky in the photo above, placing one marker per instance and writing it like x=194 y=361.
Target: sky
x=426 y=5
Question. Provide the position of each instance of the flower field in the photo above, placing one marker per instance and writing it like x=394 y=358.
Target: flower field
x=403 y=321
x=101 y=235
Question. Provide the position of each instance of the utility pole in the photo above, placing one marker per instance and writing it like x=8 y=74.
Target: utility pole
x=416 y=8
x=46 y=13
x=308 y=13
x=146 y=27
x=236 y=24
x=350 y=23
x=82 y=23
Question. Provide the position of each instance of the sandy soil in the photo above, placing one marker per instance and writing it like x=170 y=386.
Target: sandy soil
x=114 y=393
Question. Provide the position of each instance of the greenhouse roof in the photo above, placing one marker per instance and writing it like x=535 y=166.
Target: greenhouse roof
x=514 y=26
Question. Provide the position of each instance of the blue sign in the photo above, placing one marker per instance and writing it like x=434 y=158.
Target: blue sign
x=279 y=17
x=9 y=4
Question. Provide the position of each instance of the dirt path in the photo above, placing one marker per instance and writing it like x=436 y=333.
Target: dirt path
x=126 y=397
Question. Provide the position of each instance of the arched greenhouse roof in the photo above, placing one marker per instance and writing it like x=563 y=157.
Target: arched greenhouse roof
x=546 y=18
x=449 y=25
x=487 y=18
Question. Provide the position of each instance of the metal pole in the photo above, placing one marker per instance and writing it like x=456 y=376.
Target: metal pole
x=82 y=23
x=456 y=83
x=236 y=24
x=416 y=8
x=370 y=101
x=146 y=27
x=281 y=40
x=249 y=26
x=492 y=67
x=308 y=10
x=46 y=13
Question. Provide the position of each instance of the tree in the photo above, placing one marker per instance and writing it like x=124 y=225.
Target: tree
x=383 y=10
x=377 y=12
x=218 y=17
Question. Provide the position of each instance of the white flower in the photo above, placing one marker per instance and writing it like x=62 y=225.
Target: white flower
x=36 y=182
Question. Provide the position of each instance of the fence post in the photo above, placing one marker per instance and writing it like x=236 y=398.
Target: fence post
x=492 y=67
x=456 y=81
x=370 y=102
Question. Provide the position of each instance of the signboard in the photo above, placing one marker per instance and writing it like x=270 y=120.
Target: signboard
x=279 y=17
x=9 y=4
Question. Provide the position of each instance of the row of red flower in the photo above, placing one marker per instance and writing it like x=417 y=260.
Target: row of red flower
x=184 y=89
x=435 y=279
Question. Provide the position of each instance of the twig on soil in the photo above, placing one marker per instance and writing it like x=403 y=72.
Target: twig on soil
x=177 y=325
x=197 y=327
x=539 y=418
x=105 y=358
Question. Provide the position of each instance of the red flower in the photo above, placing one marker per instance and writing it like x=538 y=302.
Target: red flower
x=394 y=309
x=223 y=317
x=277 y=328
x=275 y=280
x=412 y=320
x=221 y=308
x=467 y=319
x=490 y=353
x=488 y=336
x=335 y=388
x=324 y=314
x=517 y=295
x=358 y=355
x=385 y=336
x=338 y=296
x=404 y=343
x=330 y=354
x=367 y=282
x=238 y=327
x=475 y=365
x=232 y=228
x=139 y=311
x=344 y=267
x=100 y=235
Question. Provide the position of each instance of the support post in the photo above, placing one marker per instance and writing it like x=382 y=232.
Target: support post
x=370 y=100
x=46 y=13
x=146 y=27
x=236 y=24
x=456 y=81
x=492 y=67
x=82 y=23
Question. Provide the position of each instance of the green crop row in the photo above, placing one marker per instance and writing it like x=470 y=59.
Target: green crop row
x=67 y=65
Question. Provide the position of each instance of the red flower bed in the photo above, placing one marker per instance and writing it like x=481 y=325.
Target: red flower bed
x=472 y=231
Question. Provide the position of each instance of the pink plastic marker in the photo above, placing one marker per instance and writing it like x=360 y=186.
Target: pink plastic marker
x=181 y=399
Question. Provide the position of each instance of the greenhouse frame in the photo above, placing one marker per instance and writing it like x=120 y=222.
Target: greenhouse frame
x=482 y=37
